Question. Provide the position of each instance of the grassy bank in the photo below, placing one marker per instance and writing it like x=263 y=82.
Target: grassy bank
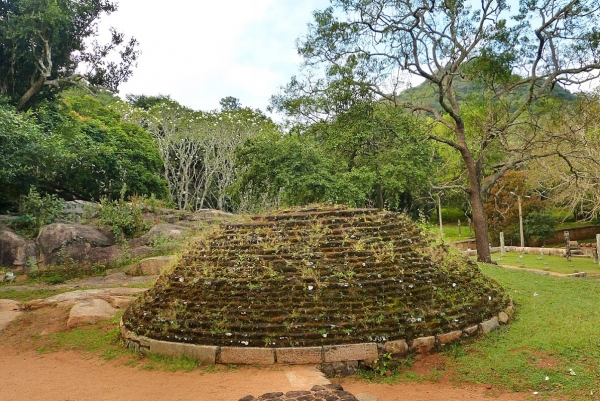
x=557 y=264
x=552 y=346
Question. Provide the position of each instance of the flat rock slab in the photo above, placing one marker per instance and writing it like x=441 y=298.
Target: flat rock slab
x=303 y=377
x=9 y=311
x=90 y=311
x=80 y=295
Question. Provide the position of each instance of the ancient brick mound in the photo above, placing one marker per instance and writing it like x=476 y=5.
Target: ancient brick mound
x=313 y=278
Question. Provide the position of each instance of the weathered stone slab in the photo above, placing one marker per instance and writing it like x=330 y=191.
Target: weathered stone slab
x=398 y=348
x=205 y=354
x=490 y=325
x=469 y=331
x=89 y=311
x=449 y=337
x=247 y=356
x=423 y=345
x=366 y=397
x=300 y=355
x=503 y=317
x=350 y=352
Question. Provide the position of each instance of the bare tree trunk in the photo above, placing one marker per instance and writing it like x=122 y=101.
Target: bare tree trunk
x=479 y=221
x=480 y=225
x=35 y=88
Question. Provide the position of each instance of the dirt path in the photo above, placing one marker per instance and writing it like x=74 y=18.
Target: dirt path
x=72 y=376
x=78 y=376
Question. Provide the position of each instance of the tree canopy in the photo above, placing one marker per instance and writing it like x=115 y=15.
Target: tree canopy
x=46 y=45
x=516 y=57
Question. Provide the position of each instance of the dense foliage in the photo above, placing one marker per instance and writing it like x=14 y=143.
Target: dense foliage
x=514 y=57
x=77 y=148
x=368 y=156
x=44 y=44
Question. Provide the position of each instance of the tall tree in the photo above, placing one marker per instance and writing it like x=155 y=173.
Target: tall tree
x=515 y=57
x=46 y=45
x=198 y=148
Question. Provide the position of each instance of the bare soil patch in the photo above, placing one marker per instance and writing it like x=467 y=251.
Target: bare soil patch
x=78 y=376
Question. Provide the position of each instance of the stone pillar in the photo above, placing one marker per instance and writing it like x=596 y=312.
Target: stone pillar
x=502 y=247
x=568 y=245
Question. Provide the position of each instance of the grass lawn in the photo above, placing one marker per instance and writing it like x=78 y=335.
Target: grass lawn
x=557 y=264
x=555 y=331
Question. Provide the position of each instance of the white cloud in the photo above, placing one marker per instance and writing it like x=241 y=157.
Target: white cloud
x=200 y=52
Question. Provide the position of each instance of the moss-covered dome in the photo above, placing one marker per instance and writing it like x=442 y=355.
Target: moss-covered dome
x=311 y=277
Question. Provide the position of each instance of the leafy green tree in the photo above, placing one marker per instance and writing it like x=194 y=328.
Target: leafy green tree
x=103 y=153
x=383 y=148
x=516 y=58
x=25 y=151
x=44 y=45
x=198 y=149
x=367 y=156
x=279 y=170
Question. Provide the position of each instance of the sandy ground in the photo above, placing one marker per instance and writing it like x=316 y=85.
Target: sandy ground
x=71 y=376
x=26 y=375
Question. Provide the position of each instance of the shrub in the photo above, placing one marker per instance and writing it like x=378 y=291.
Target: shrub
x=37 y=211
x=125 y=219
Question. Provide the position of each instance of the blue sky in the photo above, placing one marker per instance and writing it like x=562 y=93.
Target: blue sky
x=199 y=51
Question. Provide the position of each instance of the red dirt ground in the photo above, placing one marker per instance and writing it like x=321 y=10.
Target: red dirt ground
x=74 y=376
x=26 y=375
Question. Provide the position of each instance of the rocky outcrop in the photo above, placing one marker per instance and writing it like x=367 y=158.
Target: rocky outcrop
x=59 y=241
x=15 y=251
x=90 y=311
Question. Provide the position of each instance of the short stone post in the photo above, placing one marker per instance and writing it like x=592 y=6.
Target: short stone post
x=502 y=247
x=459 y=233
x=568 y=246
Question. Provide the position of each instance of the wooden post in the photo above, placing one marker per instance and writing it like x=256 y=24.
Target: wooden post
x=568 y=245
x=598 y=245
x=440 y=216
x=459 y=232
x=502 y=247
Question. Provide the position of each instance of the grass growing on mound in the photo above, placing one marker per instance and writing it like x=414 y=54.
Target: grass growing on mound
x=554 y=332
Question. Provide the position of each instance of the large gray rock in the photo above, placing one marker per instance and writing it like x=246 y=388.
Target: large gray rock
x=58 y=241
x=15 y=250
x=108 y=255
